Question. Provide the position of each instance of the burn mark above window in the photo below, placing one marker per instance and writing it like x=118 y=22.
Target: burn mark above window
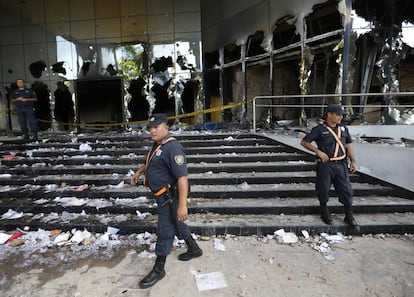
x=232 y=52
x=384 y=11
x=254 y=44
x=211 y=59
x=325 y=18
x=284 y=32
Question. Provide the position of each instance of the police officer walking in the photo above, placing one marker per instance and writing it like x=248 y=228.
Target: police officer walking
x=24 y=99
x=166 y=174
x=333 y=148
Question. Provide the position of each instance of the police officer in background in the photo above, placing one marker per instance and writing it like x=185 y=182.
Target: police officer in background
x=333 y=150
x=165 y=173
x=24 y=100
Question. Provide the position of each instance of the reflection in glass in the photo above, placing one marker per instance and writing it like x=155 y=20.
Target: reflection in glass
x=66 y=52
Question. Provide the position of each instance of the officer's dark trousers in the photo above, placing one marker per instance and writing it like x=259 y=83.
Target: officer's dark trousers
x=167 y=226
x=26 y=114
x=335 y=173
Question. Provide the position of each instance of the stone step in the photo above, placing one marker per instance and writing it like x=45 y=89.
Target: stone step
x=40 y=169
x=206 y=191
x=215 y=224
x=206 y=178
x=240 y=184
x=51 y=151
x=138 y=142
x=296 y=205
x=132 y=158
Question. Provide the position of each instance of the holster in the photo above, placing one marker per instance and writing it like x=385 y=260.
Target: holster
x=173 y=190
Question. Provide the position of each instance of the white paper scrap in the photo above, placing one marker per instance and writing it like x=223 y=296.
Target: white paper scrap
x=11 y=215
x=210 y=281
x=218 y=245
x=4 y=237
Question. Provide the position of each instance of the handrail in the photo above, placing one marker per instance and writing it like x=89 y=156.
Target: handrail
x=399 y=94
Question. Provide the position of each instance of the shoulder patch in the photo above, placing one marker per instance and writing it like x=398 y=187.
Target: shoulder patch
x=179 y=159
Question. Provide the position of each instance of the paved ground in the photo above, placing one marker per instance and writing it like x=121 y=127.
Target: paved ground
x=380 y=265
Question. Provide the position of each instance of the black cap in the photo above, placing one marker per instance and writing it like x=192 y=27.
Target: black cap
x=156 y=119
x=336 y=108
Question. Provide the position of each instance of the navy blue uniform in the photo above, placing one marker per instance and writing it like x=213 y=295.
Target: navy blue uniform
x=167 y=164
x=25 y=110
x=331 y=172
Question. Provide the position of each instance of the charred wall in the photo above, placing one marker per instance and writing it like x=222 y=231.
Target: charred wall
x=306 y=47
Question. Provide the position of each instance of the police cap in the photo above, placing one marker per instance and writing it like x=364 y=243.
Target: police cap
x=336 y=108
x=156 y=119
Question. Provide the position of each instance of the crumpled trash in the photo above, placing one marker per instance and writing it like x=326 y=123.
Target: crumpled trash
x=61 y=239
x=14 y=236
x=85 y=147
x=80 y=236
x=70 y=201
x=4 y=237
x=112 y=230
x=118 y=186
x=218 y=245
x=339 y=237
x=146 y=238
x=146 y=255
x=323 y=247
x=6 y=188
x=286 y=237
x=81 y=188
x=11 y=215
x=142 y=215
x=51 y=187
x=245 y=186
x=41 y=201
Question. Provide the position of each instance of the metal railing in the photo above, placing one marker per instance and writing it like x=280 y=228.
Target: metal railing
x=324 y=96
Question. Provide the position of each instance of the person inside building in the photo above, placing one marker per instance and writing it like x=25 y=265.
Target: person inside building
x=64 y=107
x=333 y=151
x=24 y=99
x=166 y=174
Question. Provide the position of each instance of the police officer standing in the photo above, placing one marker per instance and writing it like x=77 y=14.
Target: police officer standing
x=333 y=150
x=166 y=174
x=24 y=99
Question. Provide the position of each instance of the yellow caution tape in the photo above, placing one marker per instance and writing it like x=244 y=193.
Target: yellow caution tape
x=180 y=116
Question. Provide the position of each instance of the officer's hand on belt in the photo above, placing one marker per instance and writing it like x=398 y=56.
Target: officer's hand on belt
x=324 y=157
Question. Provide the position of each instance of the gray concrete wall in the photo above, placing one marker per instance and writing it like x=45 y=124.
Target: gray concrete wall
x=390 y=163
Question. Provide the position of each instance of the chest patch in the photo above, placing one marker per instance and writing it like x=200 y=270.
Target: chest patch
x=179 y=159
x=158 y=153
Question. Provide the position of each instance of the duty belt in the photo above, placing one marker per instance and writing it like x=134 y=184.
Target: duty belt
x=162 y=190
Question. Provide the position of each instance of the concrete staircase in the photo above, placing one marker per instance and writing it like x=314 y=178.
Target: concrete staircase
x=241 y=184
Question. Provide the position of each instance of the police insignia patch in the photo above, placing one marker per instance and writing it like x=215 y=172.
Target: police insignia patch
x=179 y=159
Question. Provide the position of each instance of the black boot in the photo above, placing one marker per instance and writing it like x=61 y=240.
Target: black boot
x=26 y=136
x=156 y=274
x=35 y=137
x=349 y=218
x=325 y=215
x=193 y=250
